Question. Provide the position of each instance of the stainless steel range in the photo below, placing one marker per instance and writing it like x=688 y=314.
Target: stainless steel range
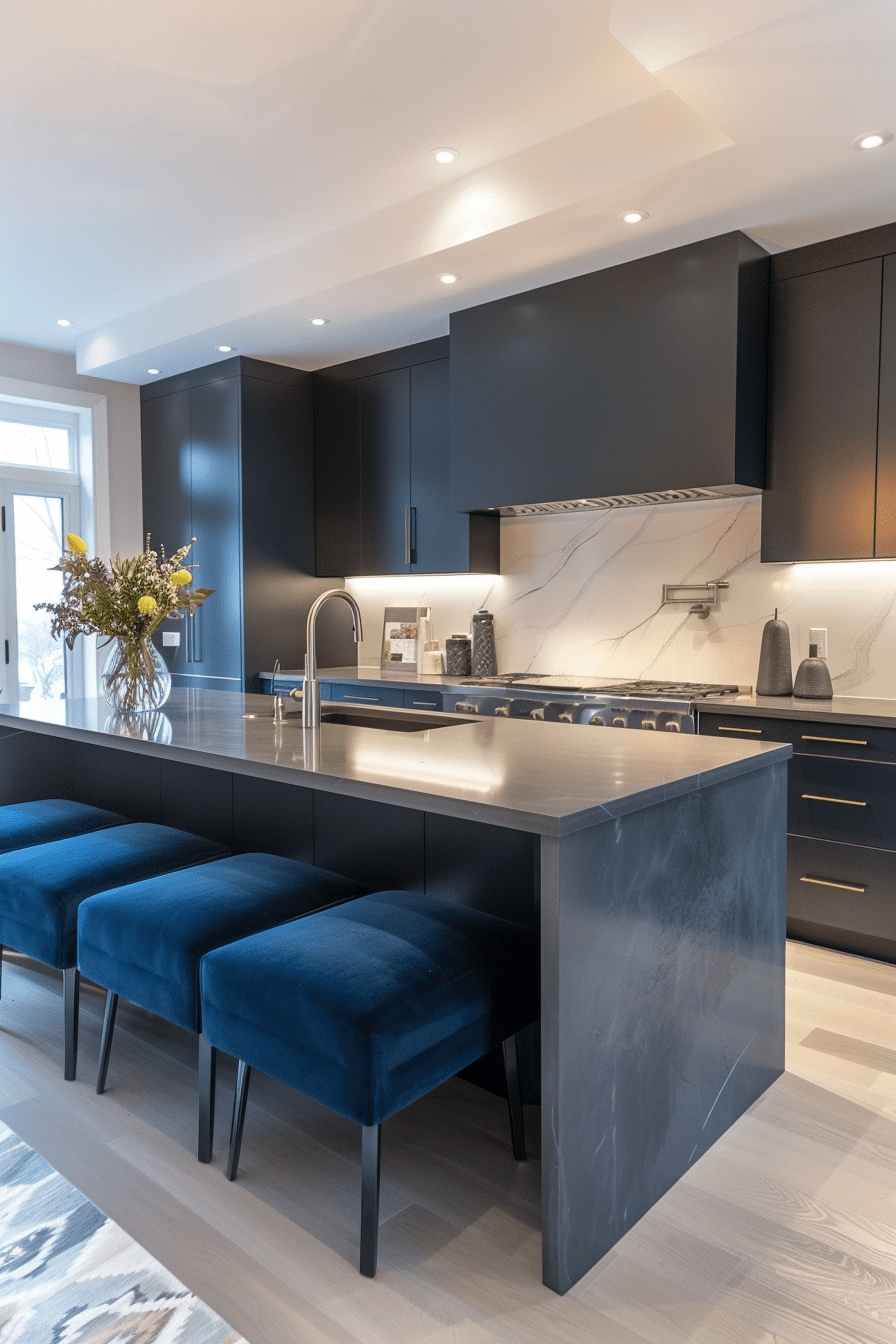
x=664 y=706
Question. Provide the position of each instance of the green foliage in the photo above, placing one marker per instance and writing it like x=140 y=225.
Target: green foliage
x=101 y=600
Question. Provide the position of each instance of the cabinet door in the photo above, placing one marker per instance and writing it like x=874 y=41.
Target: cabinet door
x=167 y=484
x=385 y=419
x=215 y=646
x=337 y=470
x=885 y=538
x=823 y=422
x=442 y=538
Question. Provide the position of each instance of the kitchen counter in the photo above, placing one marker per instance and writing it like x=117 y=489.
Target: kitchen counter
x=653 y=864
x=403 y=680
x=842 y=708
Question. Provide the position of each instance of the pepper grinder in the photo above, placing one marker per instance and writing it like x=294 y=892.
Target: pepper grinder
x=485 y=659
x=813 y=680
x=775 y=675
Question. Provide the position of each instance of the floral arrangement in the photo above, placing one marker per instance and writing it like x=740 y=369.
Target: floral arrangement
x=126 y=601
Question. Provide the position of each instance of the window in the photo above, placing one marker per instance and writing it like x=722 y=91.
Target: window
x=40 y=501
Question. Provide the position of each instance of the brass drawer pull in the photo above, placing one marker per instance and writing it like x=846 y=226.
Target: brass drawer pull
x=822 y=798
x=841 y=886
x=723 y=729
x=850 y=741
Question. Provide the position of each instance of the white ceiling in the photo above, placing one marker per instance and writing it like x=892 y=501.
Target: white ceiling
x=197 y=172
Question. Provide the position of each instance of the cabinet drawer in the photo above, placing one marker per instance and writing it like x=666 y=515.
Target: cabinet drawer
x=358 y=694
x=808 y=739
x=845 y=887
x=423 y=699
x=849 y=801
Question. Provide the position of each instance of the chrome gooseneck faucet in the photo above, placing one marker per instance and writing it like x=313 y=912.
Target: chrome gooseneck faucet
x=311 y=685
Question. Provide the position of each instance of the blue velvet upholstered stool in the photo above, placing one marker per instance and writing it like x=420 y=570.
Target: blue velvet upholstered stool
x=37 y=823
x=42 y=886
x=367 y=1007
x=145 y=941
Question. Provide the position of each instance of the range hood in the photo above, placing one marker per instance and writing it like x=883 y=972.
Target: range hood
x=637 y=385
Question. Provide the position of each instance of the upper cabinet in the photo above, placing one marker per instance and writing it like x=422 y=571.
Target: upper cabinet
x=227 y=458
x=382 y=470
x=638 y=379
x=832 y=402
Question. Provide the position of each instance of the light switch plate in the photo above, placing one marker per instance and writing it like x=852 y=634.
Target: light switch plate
x=819 y=636
x=171 y=638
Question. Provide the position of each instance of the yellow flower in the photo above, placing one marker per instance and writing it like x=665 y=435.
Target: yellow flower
x=181 y=577
x=146 y=605
x=76 y=544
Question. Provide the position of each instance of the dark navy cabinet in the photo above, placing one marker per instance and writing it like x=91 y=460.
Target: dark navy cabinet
x=841 y=828
x=644 y=377
x=831 y=490
x=228 y=458
x=382 y=468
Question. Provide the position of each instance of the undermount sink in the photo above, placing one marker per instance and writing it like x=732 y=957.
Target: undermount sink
x=390 y=722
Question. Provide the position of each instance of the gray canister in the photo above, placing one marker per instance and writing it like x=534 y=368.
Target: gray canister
x=813 y=680
x=485 y=659
x=775 y=675
x=457 y=656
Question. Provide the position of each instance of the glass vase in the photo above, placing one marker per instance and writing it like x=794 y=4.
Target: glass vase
x=135 y=678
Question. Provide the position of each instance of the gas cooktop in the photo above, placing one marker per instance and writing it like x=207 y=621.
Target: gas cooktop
x=670 y=690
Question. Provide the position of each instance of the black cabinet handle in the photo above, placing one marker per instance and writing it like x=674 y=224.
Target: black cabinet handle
x=841 y=886
x=823 y=798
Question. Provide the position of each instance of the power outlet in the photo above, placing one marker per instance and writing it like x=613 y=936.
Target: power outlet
x=171 y=639
x=820 y=637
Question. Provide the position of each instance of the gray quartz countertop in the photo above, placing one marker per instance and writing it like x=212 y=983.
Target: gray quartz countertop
x=403 y=680
x=842 y=709
x=545 y=778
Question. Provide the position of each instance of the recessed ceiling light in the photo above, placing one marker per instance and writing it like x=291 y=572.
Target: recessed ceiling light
x=63 y=322
x=319 y=321
x=872 y=140
x=153 y=370
x=448 y=279
x=444 y=154
x=225 y=349
x=633 y=216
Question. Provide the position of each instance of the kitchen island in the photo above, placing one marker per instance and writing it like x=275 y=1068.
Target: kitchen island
x=653 y=863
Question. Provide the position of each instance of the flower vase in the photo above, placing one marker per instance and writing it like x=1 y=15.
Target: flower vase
x=135 y=678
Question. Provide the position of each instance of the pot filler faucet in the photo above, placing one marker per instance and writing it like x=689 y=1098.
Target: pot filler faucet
x=311 y=685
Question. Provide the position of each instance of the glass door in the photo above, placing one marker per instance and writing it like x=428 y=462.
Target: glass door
x=35 y=665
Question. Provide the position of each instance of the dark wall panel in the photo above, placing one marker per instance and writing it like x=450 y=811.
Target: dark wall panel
x=273 y=818
x=195 y=799
x=371 y=842
x=120 y=780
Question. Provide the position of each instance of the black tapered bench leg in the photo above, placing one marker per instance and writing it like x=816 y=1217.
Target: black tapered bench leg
x=370 y=1197
x=514 y=1098
x=71 y=982
x=240 y=1097
x=106 y=1042
x=208 y=1067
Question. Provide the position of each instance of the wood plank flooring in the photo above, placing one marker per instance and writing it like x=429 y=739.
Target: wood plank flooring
x=785 y=1233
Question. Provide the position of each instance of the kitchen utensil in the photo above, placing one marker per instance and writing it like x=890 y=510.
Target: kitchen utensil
x=775 y=675
x=458 y=656
x=485 y=658
x=813 y=680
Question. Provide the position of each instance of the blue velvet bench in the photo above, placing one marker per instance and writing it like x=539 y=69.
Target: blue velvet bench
x=144 y=942
x=367 y=1007
x=42 y=887
x=46 y=819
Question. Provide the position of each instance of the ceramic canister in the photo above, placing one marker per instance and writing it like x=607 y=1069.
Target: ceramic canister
x=485 y=658
x=775 y=675
x=458 y=656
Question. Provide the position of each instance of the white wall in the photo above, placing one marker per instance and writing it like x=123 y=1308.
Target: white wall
x=30 y=364
x=583 y=594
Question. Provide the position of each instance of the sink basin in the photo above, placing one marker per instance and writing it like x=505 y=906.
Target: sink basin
x=390 y=722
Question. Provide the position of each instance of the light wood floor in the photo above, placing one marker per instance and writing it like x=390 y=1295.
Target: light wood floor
x=785 y=1233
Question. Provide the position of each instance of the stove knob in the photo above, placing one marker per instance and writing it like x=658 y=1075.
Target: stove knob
x=536 y=713
x=673 y=726
x=620 y=721
x=466 y=707
x=565 y=716
x=502 y=711
x=596 y=721
x=648 y=723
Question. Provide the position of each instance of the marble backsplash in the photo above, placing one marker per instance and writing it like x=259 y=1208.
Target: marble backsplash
x=583 y=594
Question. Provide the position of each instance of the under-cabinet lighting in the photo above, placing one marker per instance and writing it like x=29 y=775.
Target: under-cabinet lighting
x=445 y=154
x=634 y=216
x=63 y=322
x=872 y=140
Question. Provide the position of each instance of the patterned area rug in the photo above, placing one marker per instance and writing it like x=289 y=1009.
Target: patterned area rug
x=69 y=1275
